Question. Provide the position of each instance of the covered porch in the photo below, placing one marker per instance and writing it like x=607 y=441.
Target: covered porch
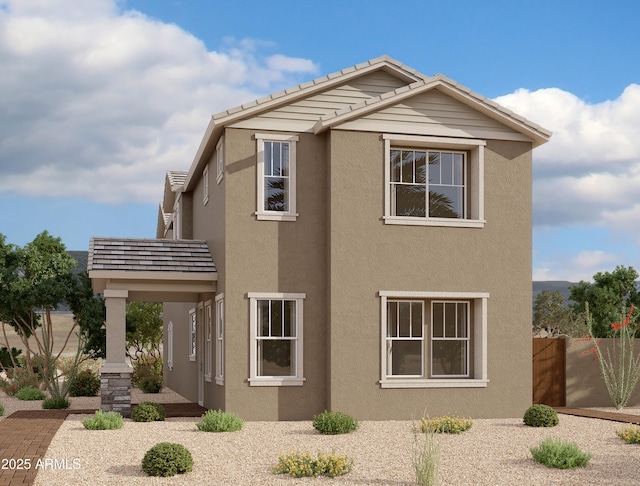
x=146 y=270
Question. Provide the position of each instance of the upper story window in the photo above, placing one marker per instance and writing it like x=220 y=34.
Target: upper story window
x=276 y=198
x=205 y=178
x=434 y=181
x=220 y=160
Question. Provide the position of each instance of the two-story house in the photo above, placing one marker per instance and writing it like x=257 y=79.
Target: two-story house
x=371 y=233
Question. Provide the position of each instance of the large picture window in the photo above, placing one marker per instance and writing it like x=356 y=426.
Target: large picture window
x=434 y=181
x=276 y=334
x=433 y=339
x=276 y=156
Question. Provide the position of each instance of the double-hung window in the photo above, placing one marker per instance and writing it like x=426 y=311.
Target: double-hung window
x=276 y=339
x=276 y=169
x=220 y=339
x=434 y=181
x=433 y=339
x=192 y=335
x=220 y=160
x=208 y=351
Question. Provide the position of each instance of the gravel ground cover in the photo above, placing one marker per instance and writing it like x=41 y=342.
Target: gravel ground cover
x=492 y=452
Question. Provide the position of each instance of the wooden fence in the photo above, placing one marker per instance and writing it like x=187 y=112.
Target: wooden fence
x=549 y=365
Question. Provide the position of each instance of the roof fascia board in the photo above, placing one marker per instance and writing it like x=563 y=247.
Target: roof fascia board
x=151 y=275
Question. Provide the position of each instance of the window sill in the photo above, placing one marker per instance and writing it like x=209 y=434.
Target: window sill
x=192 y=358
x=420 y=383
x=276 y=216
x=450 y=222
x=207 y=378
x=219 y=177
x=220 y=381
x=276 y=381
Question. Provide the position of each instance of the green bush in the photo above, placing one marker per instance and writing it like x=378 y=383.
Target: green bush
x=559 y=454
x=104 y=421
x=86 y=384
x=148 y=412
x=303 y=465
x=1 y=409
x=630 y=434
x=332 y=423
x=147 y=375
x=30 y=393
x=540 y=416
x=219 y=421
x=446 y=424
x=167 y=459
x=17 y=379
x=5 y=357
x=55 y=403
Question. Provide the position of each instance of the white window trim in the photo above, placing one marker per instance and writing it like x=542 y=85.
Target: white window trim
x=193 y=333
x=205 y=178
x=177 y=218
x=170 y=345
x=254 y=379
x=219 y=160
x=475 y=179
x=219 y=377
x=260 y=213
x=208 y=350
x=479 y=341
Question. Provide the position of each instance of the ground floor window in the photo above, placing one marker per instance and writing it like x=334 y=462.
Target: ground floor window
x=208 y=351
x=170 y=345
x=433 y=339
x=276 y=330
x=192 y=335
x=220 y=339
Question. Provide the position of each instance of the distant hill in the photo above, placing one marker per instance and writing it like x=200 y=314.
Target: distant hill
x=561 y=286
x=82 y=257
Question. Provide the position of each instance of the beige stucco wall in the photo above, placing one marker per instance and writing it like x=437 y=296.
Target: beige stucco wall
x=181 y=378
x=366 y=256
x=584 y=383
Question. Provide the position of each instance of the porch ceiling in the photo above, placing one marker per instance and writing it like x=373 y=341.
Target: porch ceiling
x=152 y=269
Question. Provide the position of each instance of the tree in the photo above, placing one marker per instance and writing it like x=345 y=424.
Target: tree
x=91 y=315
x=609 y=296
x=144 y=330
x=553 y=318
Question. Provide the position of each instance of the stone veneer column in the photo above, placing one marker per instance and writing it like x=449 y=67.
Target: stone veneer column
x=115 y=374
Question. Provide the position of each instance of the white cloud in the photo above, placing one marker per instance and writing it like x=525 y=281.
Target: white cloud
x=581 y=267
x=98 y=102
x=589 y=173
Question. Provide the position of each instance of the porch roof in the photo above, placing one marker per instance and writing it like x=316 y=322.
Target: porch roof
x=152 y=269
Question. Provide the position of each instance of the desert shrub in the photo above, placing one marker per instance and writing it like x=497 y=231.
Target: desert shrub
x=148 y=412
x=299 y=465
x=30 y=393
x=446 y=424
x=147 y=375
x=17 y=379
x=332 y=423
x=219 y=421
x=55 y=403
x=630 y=434
x=5 y=357
x=167 y=459
x=540 y=416
x=85 y=384
x=104 y=421
x=1 y=409
x=425 y=457
x=65 y=364
x=559 y=454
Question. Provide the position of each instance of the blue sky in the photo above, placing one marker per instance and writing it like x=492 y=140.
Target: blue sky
x=100 y=100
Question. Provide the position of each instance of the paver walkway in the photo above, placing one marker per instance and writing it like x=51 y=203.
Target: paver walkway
x=25 y=437
x=600 y=414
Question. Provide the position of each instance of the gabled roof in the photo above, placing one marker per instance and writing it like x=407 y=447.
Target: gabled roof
x=173 y=183
x=450 y=87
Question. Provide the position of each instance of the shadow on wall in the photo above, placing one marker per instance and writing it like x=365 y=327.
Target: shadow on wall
x=584 y=382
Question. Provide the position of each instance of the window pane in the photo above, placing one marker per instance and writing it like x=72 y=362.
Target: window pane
x=396 y=166
x=450 y=320
x=404 y=319
x=446 y=168
x=268 y=157
x=462 y=319
x=263 y=318
x=406 y=357
x=458 y=169
x=275 y=171
x=407 y=166
x=445 y=202
x=289 y=318
x=438 y=319
x=275 y=358
x=284 y=163
x=434 y=167
x=276 y=318
x=410 y=200
x=449 y=358
x=275 y=194
x=421 y=167
x=416 y=319
x=392 y=319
